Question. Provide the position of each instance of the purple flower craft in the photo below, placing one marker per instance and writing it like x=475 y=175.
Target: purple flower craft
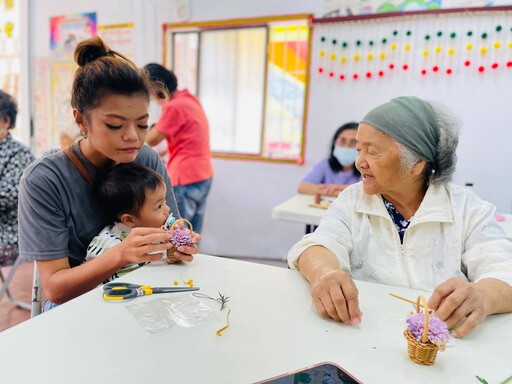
x=438 y=333
x=181 y=236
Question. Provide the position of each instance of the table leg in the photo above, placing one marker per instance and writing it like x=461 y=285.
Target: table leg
x=310 y=228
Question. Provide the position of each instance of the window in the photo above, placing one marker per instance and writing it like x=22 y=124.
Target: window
x=251 y=77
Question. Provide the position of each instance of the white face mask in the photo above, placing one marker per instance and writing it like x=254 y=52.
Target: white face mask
x=345 y=156
x=154 y=111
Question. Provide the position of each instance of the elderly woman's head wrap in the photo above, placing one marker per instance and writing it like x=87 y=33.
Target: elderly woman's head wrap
x=409 y=120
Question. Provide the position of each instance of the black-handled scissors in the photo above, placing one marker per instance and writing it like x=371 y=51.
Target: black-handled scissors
x=126 y=291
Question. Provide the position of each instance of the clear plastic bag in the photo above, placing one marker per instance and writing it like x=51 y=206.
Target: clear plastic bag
x=149 y=315
x=187 y=311
x=160 y=314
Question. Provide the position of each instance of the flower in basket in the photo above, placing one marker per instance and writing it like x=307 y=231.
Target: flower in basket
x=438 y=333
x=181 y=236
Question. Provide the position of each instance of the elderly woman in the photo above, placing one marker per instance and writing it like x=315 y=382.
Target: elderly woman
x=14 y=158
x=406 y=225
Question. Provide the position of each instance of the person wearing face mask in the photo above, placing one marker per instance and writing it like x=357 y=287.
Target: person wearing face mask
x=332 y=175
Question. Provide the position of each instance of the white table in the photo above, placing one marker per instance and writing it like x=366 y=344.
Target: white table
x=274 y=329
x=297 y=209
x=507 y=224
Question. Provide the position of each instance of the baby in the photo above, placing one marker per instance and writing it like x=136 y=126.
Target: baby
x=129 y=195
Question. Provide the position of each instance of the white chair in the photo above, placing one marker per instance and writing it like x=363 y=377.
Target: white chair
x=5 y=285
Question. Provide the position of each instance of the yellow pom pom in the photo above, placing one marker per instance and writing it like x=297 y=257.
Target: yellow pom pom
x=438 y=49
x=469 y=47
x=357 y=57
x=407 y=47
x=382 y=55
x=370 y=56
x=333 y=56
x=343 y=59
x=322 y=53
x=393 y=46
x=425 y=52
x=497 y=44
x=451 y=51
x=483 y=50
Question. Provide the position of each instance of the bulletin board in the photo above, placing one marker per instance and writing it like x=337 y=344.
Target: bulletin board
x=459 y=57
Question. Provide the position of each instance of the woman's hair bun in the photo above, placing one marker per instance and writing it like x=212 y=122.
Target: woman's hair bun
x=90 y=50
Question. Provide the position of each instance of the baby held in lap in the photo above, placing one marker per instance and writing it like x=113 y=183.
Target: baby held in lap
x=130 y=195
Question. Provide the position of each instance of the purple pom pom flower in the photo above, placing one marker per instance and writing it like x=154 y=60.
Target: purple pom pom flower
x=438 y=333
x=181 y=236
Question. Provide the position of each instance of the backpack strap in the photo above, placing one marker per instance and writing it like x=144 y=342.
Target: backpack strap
x=83 y=171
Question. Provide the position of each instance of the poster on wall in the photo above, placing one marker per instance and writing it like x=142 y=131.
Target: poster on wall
x=61 y=80
x=9 y=47
x=119 y=37
x=335 y=8
x=470 y=3
x=41 y=97
x=67 y=31
x=286 y=90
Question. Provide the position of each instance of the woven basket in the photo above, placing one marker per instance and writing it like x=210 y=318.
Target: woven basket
x=170 y=251
x=422 y=352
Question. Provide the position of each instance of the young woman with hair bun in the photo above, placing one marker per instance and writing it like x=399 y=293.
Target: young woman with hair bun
x=58 y=214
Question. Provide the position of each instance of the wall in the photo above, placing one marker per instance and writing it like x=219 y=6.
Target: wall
x=480 y=100
x=238 y=217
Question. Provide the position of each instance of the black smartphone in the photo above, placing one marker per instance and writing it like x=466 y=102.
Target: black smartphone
x=323 y=373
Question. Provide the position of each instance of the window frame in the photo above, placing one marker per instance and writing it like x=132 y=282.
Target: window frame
x=171 y=29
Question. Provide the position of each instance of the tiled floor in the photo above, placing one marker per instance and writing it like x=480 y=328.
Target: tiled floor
x=20 y=288
x=21 y=285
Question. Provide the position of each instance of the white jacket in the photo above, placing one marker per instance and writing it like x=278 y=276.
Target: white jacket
x=453 y=234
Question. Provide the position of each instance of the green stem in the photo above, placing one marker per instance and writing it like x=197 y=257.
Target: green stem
x=506 y=380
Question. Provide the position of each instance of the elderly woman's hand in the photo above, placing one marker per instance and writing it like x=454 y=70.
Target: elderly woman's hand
x=459 y=302
x=336 y=296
